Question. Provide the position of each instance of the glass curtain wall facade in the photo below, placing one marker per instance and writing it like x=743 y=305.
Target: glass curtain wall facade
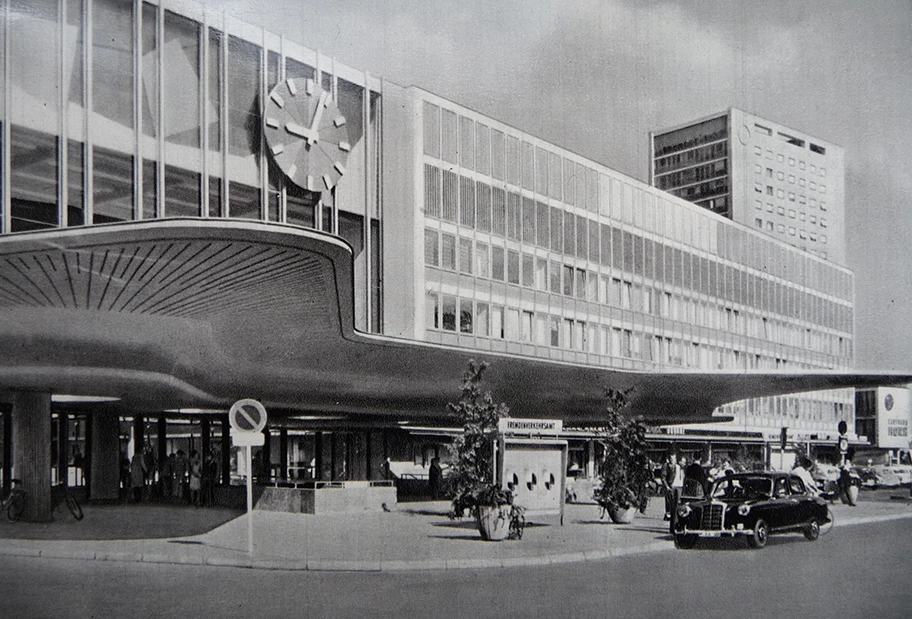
x=531 y=249
x=122 y=110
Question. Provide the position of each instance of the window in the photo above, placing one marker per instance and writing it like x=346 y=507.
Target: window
x=555 y=330
x=555 y=277
x=497 y=322
x=769 y=173
x=497 y=263
x=465 y=256
x=759 y=223
x=528 y=270
x=431 y=309
x=580 y=284
x=431 y=248
x=792 y=213
x=568 y=280
x=769 y=226
x=448 y=252
x=780 y=210
x=513 y=267
x=525 y=332
x=512 y=326
x=465 y=316
x=448 y=313
x=541 y=274
x=481 y=260
x=769 y=190
x=482 y=325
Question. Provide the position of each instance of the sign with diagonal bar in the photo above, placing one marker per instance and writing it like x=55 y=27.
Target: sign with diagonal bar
x=247 y=416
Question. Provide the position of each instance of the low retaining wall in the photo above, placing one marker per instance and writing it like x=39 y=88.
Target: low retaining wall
x=334 y=498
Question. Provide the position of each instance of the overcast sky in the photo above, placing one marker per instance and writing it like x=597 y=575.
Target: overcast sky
x=596 y=76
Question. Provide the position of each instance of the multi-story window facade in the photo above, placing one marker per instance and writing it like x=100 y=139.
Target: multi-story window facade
x=537 y=251
x=117 y=110
x=479 y=235
x=779 y=181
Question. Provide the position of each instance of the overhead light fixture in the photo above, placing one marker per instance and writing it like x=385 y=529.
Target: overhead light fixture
x=64 y=397
x=196 y=411
x=317 y=418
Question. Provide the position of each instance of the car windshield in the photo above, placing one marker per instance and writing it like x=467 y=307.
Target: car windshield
x=742 y=488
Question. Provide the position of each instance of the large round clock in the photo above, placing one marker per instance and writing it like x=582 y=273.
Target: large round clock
x=306 y=134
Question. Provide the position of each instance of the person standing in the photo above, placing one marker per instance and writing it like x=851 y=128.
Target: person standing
x=435 y=474
x=672 y=481
x=180 y=474
x=695 y=478
x=137 y=476
x=196 y=477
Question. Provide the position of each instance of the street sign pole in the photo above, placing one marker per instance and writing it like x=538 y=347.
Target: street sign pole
x=248 y=418
x=249 y=500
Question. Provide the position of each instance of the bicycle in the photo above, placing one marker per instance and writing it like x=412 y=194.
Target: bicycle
x=71 y=502
x=14 y=503
x=517 y=522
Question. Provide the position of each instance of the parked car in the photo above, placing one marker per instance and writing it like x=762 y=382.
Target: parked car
x=752 y=505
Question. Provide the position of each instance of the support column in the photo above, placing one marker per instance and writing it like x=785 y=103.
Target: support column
x=32 y=452
x=205 y=444
x=283 y=453
x=266 y=457
x=139 y=434
x=105 y=458
x=226 y=451
x=63 y=449
x=162 y=431
x=7 y=448
x=318 y=456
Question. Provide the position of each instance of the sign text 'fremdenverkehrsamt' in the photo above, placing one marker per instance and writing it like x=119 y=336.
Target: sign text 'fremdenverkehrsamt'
x=514 y=425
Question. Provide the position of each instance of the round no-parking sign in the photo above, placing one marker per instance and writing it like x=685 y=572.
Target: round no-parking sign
x=247 y=416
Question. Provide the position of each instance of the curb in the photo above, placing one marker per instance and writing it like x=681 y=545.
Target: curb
x=378 y=566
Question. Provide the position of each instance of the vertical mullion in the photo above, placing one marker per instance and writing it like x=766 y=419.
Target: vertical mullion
x=335 y=194
x=203 y=60
x=89 y=154
x=366 y=232
x=5 y=208
x=318 y=209
x=283 y=187
x=137 y=110
x=223 y=122
x=63 y=142
x=264 y=176
x=378 y=192
x=160 y=104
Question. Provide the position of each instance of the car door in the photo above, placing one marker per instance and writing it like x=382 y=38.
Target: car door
x=802 y=503
x=780 y=505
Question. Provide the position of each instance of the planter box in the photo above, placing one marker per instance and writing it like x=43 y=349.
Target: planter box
x=328 y=498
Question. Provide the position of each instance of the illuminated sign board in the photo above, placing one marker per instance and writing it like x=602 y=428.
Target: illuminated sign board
x=514 y=425
x=894 y=418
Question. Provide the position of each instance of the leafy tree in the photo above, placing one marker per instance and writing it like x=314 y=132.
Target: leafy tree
x=625 y=471
x=471 y=477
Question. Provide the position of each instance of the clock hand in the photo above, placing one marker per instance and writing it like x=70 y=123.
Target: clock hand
x=301 y=132
x=318 y=114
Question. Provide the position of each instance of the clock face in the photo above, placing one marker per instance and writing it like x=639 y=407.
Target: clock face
x=306 y=135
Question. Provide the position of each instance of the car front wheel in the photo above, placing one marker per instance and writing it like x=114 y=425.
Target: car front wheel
x=812 y=530
x=760 y=535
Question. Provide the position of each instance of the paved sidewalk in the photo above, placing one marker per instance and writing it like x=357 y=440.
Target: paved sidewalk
x=415 y=536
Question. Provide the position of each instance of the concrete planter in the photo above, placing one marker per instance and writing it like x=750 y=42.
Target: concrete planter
x=493 y=522
x=621 y=516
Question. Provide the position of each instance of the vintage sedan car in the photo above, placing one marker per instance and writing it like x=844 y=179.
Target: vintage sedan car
x=752 y=505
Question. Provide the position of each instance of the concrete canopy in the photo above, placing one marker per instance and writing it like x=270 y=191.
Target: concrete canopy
x=181 y=313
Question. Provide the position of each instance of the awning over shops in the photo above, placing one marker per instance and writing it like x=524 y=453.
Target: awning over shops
x=181 y=313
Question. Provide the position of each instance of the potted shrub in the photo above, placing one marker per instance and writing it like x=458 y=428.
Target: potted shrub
x=625 y=471
x=471 y=476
